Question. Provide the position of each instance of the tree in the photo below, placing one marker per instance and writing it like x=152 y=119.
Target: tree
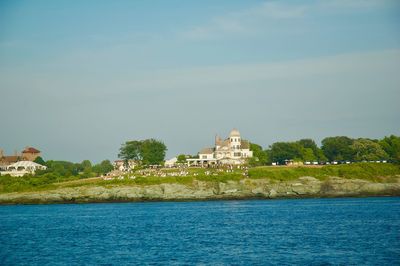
x=149 y=151
x=39 y=160
x=281 y=151
x=308 y=143
x=181 y=158
x=103 y=167
x=321 y=156
x=260 y=157
x=317 y=153
x=86 y=164
x=338 y=148
x=153 y=151
x=391 y=145
x=62 y=168
x=131 y=150
x=308 y=155
x=366 y=149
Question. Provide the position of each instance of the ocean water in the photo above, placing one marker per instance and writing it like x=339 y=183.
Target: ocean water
x=356 y=231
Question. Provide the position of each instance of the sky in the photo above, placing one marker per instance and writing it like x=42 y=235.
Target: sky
x=79 y=78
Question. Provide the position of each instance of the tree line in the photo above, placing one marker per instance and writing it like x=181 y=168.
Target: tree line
x=65 y=169
x=339 y=148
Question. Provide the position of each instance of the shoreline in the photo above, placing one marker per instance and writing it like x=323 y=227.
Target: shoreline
x=245 y=189
x=198 y=200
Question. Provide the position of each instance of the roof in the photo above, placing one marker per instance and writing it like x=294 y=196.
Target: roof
x=207 y=151
x=26 y=164
x=223 y=143
x=9 y=159
x=245 y=144
x=172 y=160
x=234 y=133
x=30 y=150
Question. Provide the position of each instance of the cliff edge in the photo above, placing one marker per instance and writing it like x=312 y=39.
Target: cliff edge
x=303 y=187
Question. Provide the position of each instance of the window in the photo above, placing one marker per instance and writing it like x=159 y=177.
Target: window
x=236 y=154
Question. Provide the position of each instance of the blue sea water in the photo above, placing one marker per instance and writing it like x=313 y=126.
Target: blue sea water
x=356 y=231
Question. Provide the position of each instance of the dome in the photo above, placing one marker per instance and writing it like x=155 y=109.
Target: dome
x=234 y=133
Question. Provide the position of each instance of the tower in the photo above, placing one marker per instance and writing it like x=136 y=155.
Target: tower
x=234 y=139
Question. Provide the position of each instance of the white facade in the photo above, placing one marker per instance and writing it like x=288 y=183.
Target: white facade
x=171 y=162
x=22 y=168
x=232 y=150
x=123 y=166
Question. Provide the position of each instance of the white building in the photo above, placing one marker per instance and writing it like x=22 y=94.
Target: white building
x=122 y=165
x=171 y=162
x=22 y=168
x=232 y=150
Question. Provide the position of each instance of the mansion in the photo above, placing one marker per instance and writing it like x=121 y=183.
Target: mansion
x=28 y=154
x=231 y=151
x=20 y=164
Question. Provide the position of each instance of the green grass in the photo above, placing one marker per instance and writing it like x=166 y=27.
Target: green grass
x=31 y=183
x=368 y=171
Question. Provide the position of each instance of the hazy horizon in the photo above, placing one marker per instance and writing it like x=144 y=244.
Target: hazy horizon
x=77 y=79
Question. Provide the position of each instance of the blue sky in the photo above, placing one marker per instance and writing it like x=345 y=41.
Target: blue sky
x=78 y=78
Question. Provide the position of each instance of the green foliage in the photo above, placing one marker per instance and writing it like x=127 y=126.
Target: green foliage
x=103 y=167
x=149 y=151
x=368 y=171
x=85 y=164
x=365 y=149
x=56 y=172
x=31 y=183
x=181 y=158
x=39 y=160
x=153 y=151
x=281 y=151
x=131 y=150
x=302 y=150
x=391 y=145
x=61 y=168
x=260 y=157
x=308 y=155
x=321 y=156
x=338 y=148
x=316 y=155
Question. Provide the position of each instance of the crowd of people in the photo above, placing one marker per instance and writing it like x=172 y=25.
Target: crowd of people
x=177 y=172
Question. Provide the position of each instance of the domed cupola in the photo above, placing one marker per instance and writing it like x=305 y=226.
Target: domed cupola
x=234 y=133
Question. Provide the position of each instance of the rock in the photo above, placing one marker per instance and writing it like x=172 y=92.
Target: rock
x=272 y=194
x=308 y=179
x=245 y=188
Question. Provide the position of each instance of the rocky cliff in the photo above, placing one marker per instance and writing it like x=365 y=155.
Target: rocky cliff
x=200 y=190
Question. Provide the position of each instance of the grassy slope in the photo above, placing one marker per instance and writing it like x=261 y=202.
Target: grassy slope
x=367 y=171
